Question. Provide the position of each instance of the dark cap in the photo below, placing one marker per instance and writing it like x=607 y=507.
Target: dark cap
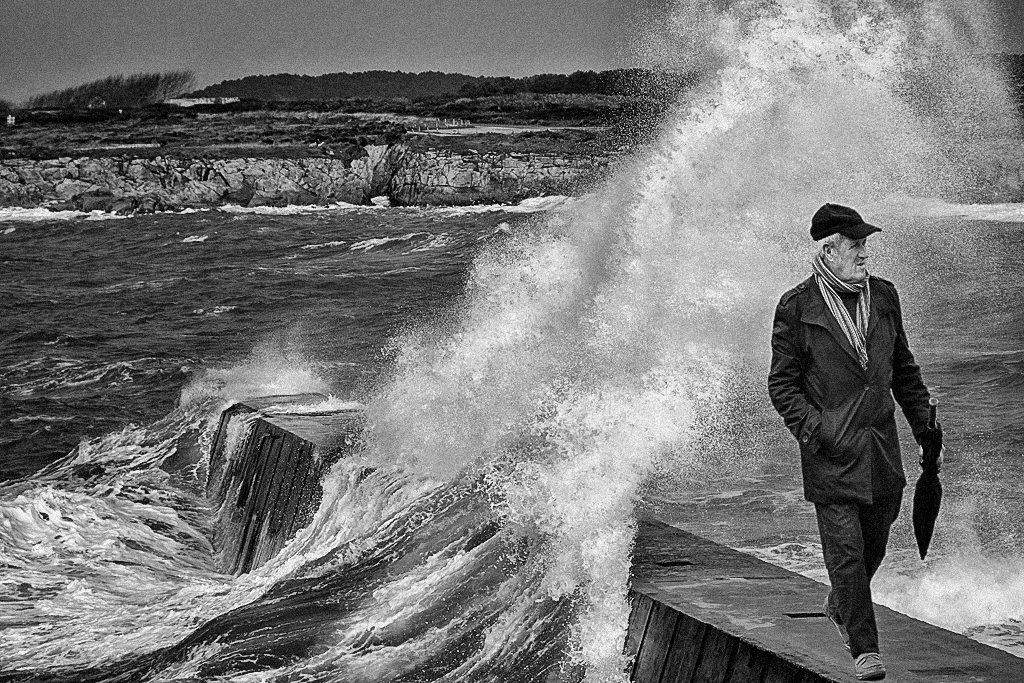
x=835 y=218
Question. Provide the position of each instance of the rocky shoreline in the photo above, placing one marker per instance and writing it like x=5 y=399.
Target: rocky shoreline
x=134 y=184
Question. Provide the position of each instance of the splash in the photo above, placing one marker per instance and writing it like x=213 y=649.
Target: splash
x=958 y=592
x=123 y=521
x=601 y=347
x=270 y=370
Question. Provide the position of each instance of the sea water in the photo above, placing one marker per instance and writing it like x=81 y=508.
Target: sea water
x=531 y=379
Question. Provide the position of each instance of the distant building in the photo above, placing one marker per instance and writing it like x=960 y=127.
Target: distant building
x=10 y=119
x=193 y=101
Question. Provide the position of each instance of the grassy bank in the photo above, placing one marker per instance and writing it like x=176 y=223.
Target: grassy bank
x=324 y=129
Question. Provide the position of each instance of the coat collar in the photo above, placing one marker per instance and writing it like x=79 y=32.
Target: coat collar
x=816 y=312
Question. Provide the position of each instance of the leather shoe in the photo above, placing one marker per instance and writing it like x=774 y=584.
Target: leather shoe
x=869 y=667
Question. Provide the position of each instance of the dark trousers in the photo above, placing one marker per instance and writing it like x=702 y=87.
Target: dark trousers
x=853 y=540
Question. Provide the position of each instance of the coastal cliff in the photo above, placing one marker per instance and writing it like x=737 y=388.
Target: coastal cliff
x=126 y=184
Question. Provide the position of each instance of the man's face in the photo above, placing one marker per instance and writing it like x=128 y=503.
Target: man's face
x=848 y=259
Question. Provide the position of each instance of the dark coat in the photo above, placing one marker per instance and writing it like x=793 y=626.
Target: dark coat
x=843 y=416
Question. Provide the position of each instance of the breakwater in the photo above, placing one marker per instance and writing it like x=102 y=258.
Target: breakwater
x=701 y=612
x=127 y=183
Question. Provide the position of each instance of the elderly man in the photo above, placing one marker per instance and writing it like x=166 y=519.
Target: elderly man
x=839 y=357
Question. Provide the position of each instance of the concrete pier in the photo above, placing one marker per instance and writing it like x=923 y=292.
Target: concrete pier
x=702 y=613
x=265 y=472
x=709 y=614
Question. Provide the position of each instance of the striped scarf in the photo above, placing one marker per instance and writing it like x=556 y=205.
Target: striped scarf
x=830 y=286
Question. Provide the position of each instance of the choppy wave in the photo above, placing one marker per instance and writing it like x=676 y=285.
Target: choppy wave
x=108 y=557
x=112 y=574
x=215 y=311
x=379 y=242
x=527 y=206
x=323 y=245
x=141 y=284
x=40 y=418
x=39 y=214
x=295 y=209
x=53 y=376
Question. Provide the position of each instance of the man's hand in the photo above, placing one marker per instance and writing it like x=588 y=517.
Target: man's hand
x=930 y=440
x=938 y=461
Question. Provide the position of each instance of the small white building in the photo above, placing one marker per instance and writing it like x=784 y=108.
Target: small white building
x=193 y=101
x=10 y=119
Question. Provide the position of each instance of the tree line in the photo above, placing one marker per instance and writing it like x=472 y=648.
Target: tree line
x=385 y=85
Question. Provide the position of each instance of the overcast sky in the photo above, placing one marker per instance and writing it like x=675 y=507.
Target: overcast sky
x=50 y=44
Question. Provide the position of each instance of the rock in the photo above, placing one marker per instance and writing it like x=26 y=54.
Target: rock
x=231 y=178
x=52 y=175
x=94 y=169
x=367 y=172
x=301 y=198
x=96 y=200
x=201 y=193
x=96 y=203
x=149 y=203
x=123 y=206
x=138 y=170
x=241 y=196
x=263 y=200
x=29 y=175
x=68 y=188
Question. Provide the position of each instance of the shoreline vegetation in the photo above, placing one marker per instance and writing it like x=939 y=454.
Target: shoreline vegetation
x=143 y=143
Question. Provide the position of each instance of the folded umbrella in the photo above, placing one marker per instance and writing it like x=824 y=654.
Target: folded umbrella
x=928 y=492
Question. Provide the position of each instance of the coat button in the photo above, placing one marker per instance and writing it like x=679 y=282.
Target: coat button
x=805 y=438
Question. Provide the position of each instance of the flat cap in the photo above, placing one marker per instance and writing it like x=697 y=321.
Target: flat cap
x=836 y=218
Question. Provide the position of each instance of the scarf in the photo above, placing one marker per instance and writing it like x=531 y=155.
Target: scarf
x=830 y=286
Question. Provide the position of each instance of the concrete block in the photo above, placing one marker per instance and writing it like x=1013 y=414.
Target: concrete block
x=266 y=481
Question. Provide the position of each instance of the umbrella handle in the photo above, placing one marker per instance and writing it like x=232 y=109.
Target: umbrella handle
x=933 y=404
